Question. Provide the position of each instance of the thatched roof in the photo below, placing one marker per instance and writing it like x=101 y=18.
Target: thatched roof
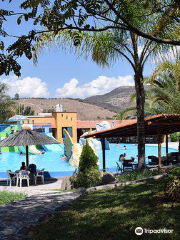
x=27 y=137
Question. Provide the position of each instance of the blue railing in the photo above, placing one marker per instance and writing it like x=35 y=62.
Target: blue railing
x=40 y=127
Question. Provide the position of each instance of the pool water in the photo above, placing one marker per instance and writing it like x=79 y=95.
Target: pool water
x=56 y=166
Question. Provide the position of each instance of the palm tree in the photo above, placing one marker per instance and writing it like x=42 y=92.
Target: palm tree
x=165 y=80
x=164 y=94
x=105 y=48
x=7 y=106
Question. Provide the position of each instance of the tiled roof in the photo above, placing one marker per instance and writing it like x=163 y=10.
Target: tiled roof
x=157 y=124
x=91 y=124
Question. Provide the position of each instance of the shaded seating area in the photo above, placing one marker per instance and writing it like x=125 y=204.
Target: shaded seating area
x=26 y=137
x=28 y=176
x=159 y=125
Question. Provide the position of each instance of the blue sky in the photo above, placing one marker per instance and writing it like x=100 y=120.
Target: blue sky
x=60 y=74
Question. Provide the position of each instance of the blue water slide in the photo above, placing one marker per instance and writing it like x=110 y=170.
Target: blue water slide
x=53 y=147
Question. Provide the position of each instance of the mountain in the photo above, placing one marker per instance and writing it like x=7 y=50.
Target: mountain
x=85 y=111
x=116 y=100
x=92 y=108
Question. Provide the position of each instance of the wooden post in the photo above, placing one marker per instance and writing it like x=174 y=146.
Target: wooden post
x=103 y=154
x=159 y=153
x=166 y=145
x=27 y=157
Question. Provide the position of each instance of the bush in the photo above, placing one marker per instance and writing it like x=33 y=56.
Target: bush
x=135 y=175
x=172 y=184
x=175 y=137
x=107 y=178
x=88 y=172
x=88 y=159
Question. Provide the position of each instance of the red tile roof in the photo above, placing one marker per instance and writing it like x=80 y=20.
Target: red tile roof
x=157 y=124
x=91 y=124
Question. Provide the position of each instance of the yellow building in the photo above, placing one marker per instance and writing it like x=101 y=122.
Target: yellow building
x=57 y=121
x=68 y=121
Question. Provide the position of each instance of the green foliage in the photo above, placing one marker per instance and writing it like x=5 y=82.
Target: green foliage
x=175 y=137
x=88 y=171
x=8 y=197
x=172 y=184
x=164 y=93
x=16 y=96
x=86 y=179
x=25 y=110
x=135 y=175
x=49 y=110
x=7 y=106
x=88 y=159
x=148 y=19
x=113 y=214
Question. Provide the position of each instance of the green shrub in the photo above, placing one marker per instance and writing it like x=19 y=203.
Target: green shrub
x=88 y=159
x=135 y=175
x=175 y=137
x=172 y=184
x=88 y=171
x=86 y=179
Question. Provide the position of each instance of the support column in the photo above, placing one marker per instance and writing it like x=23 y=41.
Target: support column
x=27 y=157
x=104 y=154
x=166 y=145
x=159 y=153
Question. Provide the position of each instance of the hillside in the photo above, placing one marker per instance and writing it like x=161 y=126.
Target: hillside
x=85 y=111
x=92 y=108
x=116 y=100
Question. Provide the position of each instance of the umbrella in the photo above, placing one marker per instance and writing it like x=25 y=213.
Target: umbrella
x=18 y=119
x=25 y=138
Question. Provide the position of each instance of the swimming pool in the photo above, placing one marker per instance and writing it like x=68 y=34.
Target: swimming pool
x=56 y=166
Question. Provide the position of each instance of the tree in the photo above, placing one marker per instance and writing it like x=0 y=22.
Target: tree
x=88 y=171
x=87 y=16
x=105 y=48
x=25 y=110
x=48 y=110
x=16 y=96
x=165 y=80
x=7 y=106
x=164 y=94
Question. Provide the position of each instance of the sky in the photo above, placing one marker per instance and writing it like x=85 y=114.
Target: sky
x=61 y=74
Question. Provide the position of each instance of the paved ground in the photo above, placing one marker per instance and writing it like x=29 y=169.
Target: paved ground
x=170 y=145
x=18 y=218
x=33 y=190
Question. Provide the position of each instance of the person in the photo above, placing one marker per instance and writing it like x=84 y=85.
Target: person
x=12 y=130
x=42 y=151
x=21 y=154
x=124 y=148
x=23 y=166
x=122 y=157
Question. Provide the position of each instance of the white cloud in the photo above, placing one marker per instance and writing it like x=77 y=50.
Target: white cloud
x=100 y=85
x=26 y=87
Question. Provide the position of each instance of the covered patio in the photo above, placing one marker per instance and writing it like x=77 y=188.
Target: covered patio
x=158 y=125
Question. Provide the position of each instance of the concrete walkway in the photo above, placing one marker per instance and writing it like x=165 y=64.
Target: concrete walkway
x=19 y=218
x=174 y=145
x=49 y=186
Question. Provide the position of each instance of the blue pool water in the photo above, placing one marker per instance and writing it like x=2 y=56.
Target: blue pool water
x=56 y=166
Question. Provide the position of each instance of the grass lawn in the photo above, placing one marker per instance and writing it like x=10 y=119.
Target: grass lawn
x=8 y=197
x=114 y=215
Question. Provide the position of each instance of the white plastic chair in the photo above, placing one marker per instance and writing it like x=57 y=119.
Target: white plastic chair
x=11 y=177
x=22 y=175
x=39 y=174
